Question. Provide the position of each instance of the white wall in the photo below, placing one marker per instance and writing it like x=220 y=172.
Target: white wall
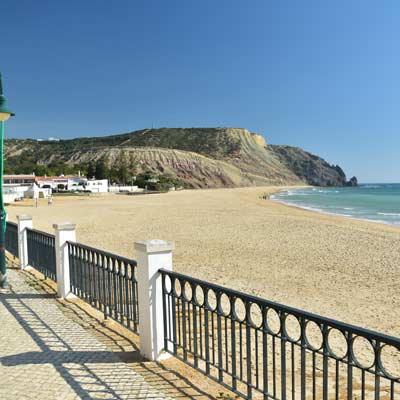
x=16 y=190
x=43 y=193
x=116 y=189
x=97 y=185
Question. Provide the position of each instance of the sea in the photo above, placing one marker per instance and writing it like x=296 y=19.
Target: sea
x=378 y=202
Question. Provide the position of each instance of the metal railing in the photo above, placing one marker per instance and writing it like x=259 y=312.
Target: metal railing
x=106 y=281
x=12 y=238
x=41 y=252
x=261 y=349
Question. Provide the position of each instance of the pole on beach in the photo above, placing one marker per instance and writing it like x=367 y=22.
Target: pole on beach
x=5 y=114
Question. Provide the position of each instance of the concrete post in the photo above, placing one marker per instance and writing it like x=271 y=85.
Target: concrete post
x=151 y=256
x=24 y=222
x=64 y=232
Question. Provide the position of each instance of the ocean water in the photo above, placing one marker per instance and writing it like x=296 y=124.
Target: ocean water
x=374 y=202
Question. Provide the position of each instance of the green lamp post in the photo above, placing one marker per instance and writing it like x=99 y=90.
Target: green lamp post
x=5 y=114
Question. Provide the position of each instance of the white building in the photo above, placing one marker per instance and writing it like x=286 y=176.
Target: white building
x=14 y=192
x=67 y=182
x=97 y=185
x=35 y=192
x=19 y=179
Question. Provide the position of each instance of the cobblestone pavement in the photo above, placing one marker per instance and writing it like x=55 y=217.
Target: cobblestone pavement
x=46 y=355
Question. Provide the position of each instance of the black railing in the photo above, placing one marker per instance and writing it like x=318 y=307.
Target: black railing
x=106 y=281
x=42 y=253
x=12 y=238
x=258 y=348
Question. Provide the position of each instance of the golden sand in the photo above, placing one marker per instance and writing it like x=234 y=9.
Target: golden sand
x=333 y=266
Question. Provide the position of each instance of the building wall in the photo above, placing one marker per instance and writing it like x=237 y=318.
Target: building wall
x=118 y=188
x=97 y=185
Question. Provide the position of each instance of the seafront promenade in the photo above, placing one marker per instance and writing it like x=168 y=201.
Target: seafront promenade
x=248 y=346
x=52 y=349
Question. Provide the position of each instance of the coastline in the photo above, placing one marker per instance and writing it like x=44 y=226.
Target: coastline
x=326 y=264
x=324 y=212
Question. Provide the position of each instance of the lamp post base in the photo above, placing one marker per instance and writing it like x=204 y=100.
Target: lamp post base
x=3 y=281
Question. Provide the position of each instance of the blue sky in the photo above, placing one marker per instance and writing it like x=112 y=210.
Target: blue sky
x=316 y=74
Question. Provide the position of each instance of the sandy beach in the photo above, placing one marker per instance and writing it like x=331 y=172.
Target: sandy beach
x=333 y=266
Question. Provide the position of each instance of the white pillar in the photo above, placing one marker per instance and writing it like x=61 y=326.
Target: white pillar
x=24 y=222
x=64 y=232
x=151 y=256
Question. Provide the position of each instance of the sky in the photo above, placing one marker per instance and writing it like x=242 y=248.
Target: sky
x=320 y=75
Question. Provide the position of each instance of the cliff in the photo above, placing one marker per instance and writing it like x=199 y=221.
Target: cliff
x=197 y=157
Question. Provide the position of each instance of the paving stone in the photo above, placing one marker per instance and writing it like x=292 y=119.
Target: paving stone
x=46 y=355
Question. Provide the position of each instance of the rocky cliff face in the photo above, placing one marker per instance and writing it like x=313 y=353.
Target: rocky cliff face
x=313 y=169
x=200 y=157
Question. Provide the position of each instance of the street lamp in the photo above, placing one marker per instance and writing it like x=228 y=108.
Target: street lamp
x=5 y=114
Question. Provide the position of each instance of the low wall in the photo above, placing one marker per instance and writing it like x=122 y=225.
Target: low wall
x=116 y=189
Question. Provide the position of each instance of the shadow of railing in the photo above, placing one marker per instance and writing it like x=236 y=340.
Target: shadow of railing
x=73 y=366
x=58 y=353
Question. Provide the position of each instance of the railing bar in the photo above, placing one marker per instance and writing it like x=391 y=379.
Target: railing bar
x=164 y=312
x=174 y=318
x=90 y=277
x=248 y=352
x=303 y=360
x=362 y=384
x=325 y=364
x=201 y=332
x=240 y=351
x=95 y=280
x=207 y=339
x=314 y=388
x=391 y=390
x=127 y=297
x=115 y=287
x=226 y=345
x=349 y=368
x=170 y=311
x=292 y=368
x=337 y=379
x=377 y=377
x=195 y=349
x=256 y=355
x=189 y=325
x=265 y=354
x=283 y=358
x=104 y=294
x=212 y=337
x=274 y=366
x=81 y=272
x=182 y=325
x=233 y=347
x=219 y=336
x=121 y=293
x=109 y=286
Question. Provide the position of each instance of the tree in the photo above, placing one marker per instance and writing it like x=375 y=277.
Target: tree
x=91 y=170
x=122 y=168
x=133 y=166
x=40 y=170
x=101 y=169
